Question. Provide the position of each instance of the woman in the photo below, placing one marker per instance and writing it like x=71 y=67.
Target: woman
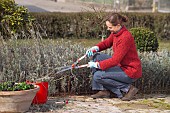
x=115 y=73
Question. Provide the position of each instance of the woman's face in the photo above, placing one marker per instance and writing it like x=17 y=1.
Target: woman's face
x=112 y=28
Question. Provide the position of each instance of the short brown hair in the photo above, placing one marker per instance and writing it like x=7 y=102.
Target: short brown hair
x=116 y=18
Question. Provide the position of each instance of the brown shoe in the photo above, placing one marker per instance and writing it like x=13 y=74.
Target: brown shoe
x=130 y=94
x=101 y=94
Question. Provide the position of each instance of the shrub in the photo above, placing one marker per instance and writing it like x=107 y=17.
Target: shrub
x=88 y=24
x=12 y=86
x=145 y=39
x=38 y=60
x=13 y=18
x=35 y=59
x=162 y=26
x=156 y=72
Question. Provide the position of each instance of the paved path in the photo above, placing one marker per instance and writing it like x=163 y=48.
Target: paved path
x=51 y=6
x=61 y=6
x=85 y=104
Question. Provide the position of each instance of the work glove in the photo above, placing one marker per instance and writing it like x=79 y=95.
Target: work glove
x=90 y=52
x=93 y=64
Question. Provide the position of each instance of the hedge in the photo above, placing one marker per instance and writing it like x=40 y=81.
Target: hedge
x=89 y=25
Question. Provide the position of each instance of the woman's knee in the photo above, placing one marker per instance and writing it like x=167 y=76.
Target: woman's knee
x=97 y=76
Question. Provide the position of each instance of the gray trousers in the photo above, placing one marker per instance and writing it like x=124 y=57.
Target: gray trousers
x=113 y=79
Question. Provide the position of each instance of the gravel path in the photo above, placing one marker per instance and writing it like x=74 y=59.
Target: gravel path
x=85 y=104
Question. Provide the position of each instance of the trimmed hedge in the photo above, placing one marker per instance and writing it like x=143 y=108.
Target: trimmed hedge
x=157 y=22
x=88 y=24
x=68 y=25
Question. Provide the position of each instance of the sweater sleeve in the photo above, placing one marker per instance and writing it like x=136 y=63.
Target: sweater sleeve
x=107 y=43
x=121 y=48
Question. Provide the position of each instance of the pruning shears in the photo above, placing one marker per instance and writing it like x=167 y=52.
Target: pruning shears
x=74 y=65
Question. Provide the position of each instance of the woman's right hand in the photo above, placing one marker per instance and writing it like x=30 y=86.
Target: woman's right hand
x=90 y=52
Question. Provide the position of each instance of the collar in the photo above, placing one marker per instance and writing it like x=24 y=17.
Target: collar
x=122 y=29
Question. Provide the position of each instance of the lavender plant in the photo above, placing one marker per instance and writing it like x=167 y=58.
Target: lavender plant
x=38 y=60
x=156 y=72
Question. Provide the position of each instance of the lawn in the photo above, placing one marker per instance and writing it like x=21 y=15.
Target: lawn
x=164 y=45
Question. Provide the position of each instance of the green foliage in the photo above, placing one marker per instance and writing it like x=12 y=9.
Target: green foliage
x=34 y=59
x=12 y=86
x=145 y=39
x=13 y=18
x=38 y=60
x=156 y=72
x=69 y=25
x=162 y=26
x=88 y=24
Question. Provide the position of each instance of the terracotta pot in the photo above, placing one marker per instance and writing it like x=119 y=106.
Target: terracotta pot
x=17 y=101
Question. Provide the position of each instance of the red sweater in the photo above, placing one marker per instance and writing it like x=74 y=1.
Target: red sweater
x=124 y=53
